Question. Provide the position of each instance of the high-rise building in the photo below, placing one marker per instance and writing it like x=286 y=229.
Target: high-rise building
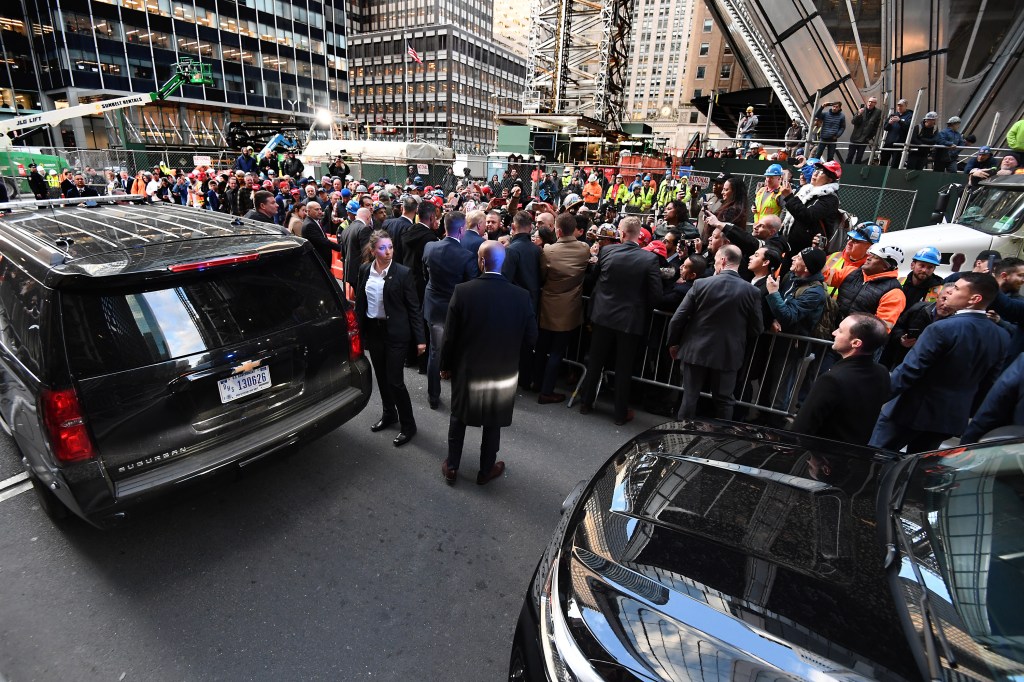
x=452 y=97
x=512 y=27
x=271 y=60
x=679 y=54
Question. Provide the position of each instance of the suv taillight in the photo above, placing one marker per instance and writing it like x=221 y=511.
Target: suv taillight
x=355 y=344
x=66 y=426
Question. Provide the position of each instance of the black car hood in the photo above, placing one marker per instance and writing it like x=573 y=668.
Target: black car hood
x=698 y=533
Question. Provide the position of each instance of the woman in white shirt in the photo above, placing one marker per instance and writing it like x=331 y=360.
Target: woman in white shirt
x=388 y=310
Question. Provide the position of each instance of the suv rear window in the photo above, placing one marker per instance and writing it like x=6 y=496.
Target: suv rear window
x=116 y=330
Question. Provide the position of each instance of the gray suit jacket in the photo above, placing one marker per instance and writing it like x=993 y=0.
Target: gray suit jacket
x=715 y=320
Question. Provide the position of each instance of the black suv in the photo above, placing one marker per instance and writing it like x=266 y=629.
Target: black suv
x=143 y=346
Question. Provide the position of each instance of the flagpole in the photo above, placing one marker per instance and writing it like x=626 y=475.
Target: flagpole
x=405 y=87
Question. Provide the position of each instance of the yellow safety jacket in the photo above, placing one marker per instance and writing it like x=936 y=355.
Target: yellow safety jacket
x=766 y=203
x=643 y=198
x=617 y=193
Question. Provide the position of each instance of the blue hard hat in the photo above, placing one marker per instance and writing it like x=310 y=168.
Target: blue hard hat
x=929 y=254
x=646 y=178
x=352 y=206
x=417 y=180
x=773 y=170
x=346 y=193
x=866 y=232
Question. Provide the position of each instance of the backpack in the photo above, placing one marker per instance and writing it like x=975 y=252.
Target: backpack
x=829 y=319
x=845 y=222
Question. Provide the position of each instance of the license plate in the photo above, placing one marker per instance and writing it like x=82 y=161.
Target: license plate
x=246 y=383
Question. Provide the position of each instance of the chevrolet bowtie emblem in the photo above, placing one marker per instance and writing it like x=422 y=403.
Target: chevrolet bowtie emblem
x=247 y=366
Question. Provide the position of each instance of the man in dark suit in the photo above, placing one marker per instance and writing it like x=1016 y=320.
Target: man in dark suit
x=710 y=330
x=844 y=402
x=396 y=226
x=475 y=232
x=947 y=372
x=390 y=318
x=414 y=240
x=627 y=286
x=522 y=268
x=353 y=240
x=485 y=313
x=314 y=234
x=446 y=264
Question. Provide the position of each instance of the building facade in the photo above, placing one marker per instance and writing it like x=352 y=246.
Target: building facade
x=272 y=61
x=452 y=97
x=679 y=54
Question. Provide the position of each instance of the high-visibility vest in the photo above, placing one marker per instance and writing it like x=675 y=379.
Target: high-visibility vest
x=766 y=203
x=643 y=198
x=617 y=193
x=592 y=192
x=930 y=296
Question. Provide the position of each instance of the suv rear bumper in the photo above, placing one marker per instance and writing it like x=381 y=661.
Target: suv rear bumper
x=106 y=509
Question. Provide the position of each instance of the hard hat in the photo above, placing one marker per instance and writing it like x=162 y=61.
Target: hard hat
x=417 y=180
x=360 y=188
x=774 y=170
x=953 y=120
x=352 y=206
x=379 y=206
x=567 y=171
x=345 y=192
x=831 y=167
x=593 y=177
x=571 y=199
x=53 y=172
x=646 y=178
x=866 y=232
x=985 y=150
x=893 y=255
x=931 y=116
x=607 y=231
x=929 y=254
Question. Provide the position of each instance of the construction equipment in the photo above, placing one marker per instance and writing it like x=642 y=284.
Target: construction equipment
x=186 y=72
x=273 y=136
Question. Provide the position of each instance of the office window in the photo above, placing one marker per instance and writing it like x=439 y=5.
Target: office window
x=726 y=71
x=698 y=93
x=707 y=26
x=701 y=71
x=705 y=48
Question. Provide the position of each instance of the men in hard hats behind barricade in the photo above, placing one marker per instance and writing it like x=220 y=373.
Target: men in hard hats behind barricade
x=766 y=200
x=922 y=284
x=641 y=199
x=842 y=263
x=617 y=193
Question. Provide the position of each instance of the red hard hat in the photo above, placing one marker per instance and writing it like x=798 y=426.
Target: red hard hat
x=833 y=168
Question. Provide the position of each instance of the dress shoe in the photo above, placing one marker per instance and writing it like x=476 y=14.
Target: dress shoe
x=434 y=403
x=450 y=475
x=625 y=420
x=585 y=408
x=382 y=423
x=403 y=438
x=497 y=470
x=548 y=398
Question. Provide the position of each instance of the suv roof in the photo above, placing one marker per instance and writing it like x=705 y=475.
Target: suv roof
x=110 y=239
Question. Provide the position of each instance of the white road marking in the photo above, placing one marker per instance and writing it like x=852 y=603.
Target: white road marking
x=23 y=476
x=22 y=487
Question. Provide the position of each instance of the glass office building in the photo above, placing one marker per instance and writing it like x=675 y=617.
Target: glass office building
x=272 y=60
x=452 y=98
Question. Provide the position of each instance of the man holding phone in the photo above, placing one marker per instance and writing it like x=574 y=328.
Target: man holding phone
x=865 y=125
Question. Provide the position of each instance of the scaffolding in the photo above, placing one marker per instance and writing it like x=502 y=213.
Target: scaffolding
x=578 y=56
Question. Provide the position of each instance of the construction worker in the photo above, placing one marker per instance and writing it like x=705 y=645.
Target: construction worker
x=766 y=200
x=922 y=284
x=642 y=199
x=566 y=177
x=666 y=193
x=592 y=193
x=854 y=254
x=617 y=193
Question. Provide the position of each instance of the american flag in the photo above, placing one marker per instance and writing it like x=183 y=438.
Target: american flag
x=414 y=54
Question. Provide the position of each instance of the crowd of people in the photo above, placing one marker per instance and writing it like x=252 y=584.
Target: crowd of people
x=596 y=251
x=927 y=144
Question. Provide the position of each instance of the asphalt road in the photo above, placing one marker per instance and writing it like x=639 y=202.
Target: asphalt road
x=347 y=559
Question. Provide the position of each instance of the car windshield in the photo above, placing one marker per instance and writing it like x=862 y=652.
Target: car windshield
x=994 y=210
x=109 y=331
x=964 y=513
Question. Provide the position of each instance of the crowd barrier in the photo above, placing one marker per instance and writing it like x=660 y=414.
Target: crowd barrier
x=776 y=370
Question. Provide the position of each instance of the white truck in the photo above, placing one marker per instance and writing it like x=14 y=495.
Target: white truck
x=991 y=217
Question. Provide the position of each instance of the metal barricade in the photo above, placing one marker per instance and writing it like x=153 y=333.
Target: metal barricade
x=773 y=376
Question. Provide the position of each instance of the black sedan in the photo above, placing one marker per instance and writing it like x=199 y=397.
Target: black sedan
x=706 y=550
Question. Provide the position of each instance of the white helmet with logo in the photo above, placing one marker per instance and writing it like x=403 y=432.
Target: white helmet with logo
x=891 y=254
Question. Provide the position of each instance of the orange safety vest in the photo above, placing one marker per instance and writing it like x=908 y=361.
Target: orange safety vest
x=592 y=193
